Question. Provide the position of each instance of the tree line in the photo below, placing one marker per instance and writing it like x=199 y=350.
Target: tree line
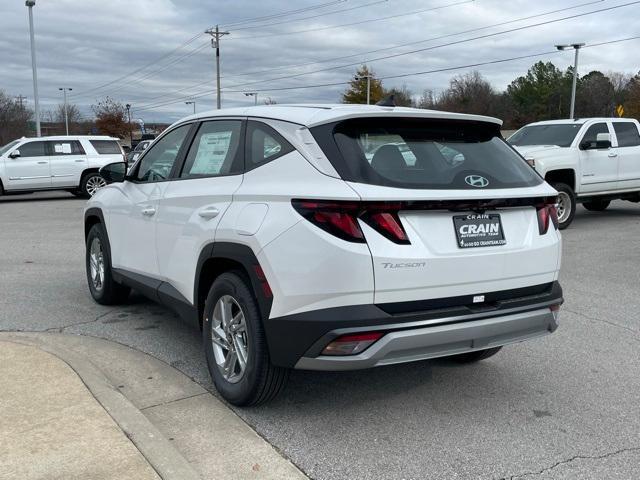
x=543 y=93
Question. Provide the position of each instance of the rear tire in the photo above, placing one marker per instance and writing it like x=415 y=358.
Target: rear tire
x=566 y=204
x=596 y=205
x=104 y=289
x=233 y=335
x=90 y=183
x=472 y=357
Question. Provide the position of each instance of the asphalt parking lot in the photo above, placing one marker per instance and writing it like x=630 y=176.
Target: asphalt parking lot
x=565 y=406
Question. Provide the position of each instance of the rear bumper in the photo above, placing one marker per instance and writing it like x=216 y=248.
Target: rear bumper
x=440 y=341
x=446 y=327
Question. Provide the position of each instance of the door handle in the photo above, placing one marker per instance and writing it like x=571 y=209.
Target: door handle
x=79 y=161
x=209 y=212
x=148 y=211
x=613 y=154
x=43 y=162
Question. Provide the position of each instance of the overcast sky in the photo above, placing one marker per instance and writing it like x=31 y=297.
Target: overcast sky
x=95 y=47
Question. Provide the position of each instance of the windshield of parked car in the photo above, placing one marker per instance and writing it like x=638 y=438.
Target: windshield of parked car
x=423 y=154
x=560 y=134
x=8 y=147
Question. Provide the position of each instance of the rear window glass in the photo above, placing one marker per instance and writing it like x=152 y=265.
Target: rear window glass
x=560 y=134
x=424 y=154
x=106 y=147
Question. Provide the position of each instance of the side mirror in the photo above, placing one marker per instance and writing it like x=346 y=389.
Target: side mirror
x=114 y=172
x=603 y=141
x=14 y=154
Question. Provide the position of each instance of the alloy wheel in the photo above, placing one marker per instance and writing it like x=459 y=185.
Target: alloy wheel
x=94 y=183
x=96 y=264
x=229 y=337
x=564 y=206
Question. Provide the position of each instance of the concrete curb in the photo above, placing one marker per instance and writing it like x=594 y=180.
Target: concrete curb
x=152 y=444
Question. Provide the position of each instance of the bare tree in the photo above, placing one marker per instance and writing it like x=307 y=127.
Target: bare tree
x=111 y=117
x=403 y=96
x=469 y=93
x=14 y=119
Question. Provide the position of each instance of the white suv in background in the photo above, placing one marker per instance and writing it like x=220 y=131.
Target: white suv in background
x=588 y=160
x=57 y=163
x=330 y=238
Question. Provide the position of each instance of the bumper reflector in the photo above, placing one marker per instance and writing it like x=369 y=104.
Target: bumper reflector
x=352 y=344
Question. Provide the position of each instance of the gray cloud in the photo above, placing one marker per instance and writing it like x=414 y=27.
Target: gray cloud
x=84 y=44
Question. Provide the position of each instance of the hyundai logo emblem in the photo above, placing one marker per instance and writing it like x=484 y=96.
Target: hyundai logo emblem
x=476 y=181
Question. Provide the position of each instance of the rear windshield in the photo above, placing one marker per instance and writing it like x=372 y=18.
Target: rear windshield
x=560 y=134
x=106 y=147
x=423 y=154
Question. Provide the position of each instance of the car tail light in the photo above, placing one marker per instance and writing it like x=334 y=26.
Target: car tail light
x=352 y=344
x=547 y=213
x=340 y=218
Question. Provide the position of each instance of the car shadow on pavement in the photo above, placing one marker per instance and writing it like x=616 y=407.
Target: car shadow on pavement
x=39 y=198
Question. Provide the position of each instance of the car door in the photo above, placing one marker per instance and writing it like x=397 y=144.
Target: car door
x=628 y=148
x=68 y=160
x=132 y=217
x=193 y=204
x=598 y=166
x=29 y=170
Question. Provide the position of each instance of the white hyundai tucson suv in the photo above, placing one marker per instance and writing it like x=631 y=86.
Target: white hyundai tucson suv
x=330 y=237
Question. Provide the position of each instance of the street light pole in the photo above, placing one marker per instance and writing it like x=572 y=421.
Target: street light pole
x=194 y=105
x=31 y=4
x=215 y=43
x=254 y=95
x=576 y=47
x=128 y=107
x=66 y=113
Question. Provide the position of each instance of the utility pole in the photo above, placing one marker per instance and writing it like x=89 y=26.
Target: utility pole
x=368 y=77
x=31 y=4
x=192 y=102
x=576 y=47
x=128 y=107
x=66 y=113
x=21 y=99
x=254 y=95
x=215 y=43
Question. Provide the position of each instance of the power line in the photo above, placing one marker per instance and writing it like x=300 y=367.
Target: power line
x=360 y=54
x=379 y=19
x=282 y=14
x=440 y=37
x=425 y=72
x=139 y=69
x=434 y=47
x=312 y=16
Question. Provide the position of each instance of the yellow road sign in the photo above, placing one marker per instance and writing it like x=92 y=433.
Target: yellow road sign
x=620 y=110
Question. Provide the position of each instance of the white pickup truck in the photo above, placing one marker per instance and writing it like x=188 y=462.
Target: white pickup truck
x=588 y=160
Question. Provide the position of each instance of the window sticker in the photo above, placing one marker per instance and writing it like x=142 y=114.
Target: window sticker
x=212 y=151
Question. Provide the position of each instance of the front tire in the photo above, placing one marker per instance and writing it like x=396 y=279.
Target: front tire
x=104 y=289
x=596 y=205
x=472 y=357
x=90 y=183
x=566 y=204
x=235 y=345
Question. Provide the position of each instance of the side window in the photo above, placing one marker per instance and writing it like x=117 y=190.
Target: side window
x=106 y=147
x=591 y=135
x=33 y=149
x=158 y=161
x=72 y=147
x=214 y=150
x=627 y=134
x=264 y=144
